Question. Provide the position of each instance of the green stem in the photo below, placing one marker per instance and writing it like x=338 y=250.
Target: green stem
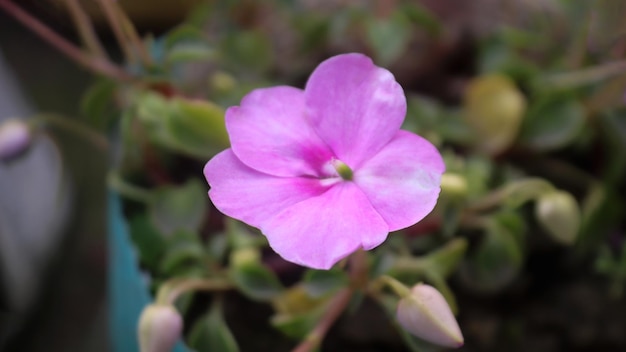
x=585 y=76
x=398 y=288
x=75 y=128
x=171 y=290
x=130 y=191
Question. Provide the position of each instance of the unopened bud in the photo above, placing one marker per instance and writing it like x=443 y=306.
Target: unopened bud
x=453 y=185
x=426 y=314
x=160 y=327
x=559 y=214
x=494 y=109
x=223 y=82
x=15 y=137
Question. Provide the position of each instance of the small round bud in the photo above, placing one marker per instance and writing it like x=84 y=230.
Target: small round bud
x=453 y=185
x=426 y=314
x=559 y=215
x=223 y=82
x=494 y=109
x=15 y=137
x=160 y=327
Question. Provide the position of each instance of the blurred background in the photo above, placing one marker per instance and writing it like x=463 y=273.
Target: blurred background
x=53 y=268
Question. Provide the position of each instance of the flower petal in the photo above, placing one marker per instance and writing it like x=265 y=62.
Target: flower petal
x=403 y=180
x=354 y=106
x=251 y=196
x=320 y=231
x=269 y=132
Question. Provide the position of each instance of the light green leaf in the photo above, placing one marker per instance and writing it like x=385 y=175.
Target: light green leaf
x=174 y=208
x=211 y=333
x=318 y=283
x=256 y=281
x=552 y=124
x=388 y=37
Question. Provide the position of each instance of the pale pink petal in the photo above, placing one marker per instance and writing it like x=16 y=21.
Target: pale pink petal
x=251 y=196
x=322 y=230
x=354 y=106
x=403 y=180
x=269 y=133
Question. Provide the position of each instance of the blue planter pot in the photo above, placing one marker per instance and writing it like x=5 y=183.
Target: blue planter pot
x=128 y=289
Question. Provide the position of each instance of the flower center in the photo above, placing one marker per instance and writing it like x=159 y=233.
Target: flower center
x=342 y=169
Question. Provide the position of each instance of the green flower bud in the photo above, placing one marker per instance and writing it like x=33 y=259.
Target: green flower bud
x=453 y=185
x=559 y=215
x=494 y=109
x=426 y=314
x=160 y=327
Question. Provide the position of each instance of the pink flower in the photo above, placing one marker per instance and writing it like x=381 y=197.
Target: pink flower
x=326 y=170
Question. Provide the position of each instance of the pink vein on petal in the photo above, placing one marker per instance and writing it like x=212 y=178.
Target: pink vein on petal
x=403 y=180
x=354 y=106
x=270 y=133
x=251 y=196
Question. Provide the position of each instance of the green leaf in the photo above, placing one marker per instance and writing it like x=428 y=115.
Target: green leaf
x=211 y=333
x=518 y=192
x=198 y=125
x=97 y=103
x=190 y=52
x=497 y=260
x=297 y=326
x=256 y=281
x=421 y=16
x=183 y=34
x=174 y=208
x=150 y=243
x=318 y=283
x=552 y=123
x=388 y=37
x=182 y=255
x=192 y=127
x=247 y=51
x=445 y=260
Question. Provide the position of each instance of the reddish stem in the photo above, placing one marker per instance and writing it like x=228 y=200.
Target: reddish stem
x=95 y=64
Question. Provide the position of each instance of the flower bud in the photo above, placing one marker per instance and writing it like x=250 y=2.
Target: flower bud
x=15 y=137
x=559 y=214
x=494 y=109
x=160 y=327
x=453 y=185
x=426 y=314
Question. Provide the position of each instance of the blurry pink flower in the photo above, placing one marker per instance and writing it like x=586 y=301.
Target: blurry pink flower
x=326 y=170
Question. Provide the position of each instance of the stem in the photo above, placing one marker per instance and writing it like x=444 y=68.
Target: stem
x=85 y=29
x=171 y=290
x=358 y=277
x=359 y=269
x=586 y=76
x=128 y=190
x=75 y=128
x=116 y=27
x=100 y=66
x=131 y=33
x=335 y=308
x=398 y=288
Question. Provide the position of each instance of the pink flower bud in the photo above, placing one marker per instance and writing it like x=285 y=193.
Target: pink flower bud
x=426 y=314
x=15 y=137
x=160 y=327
